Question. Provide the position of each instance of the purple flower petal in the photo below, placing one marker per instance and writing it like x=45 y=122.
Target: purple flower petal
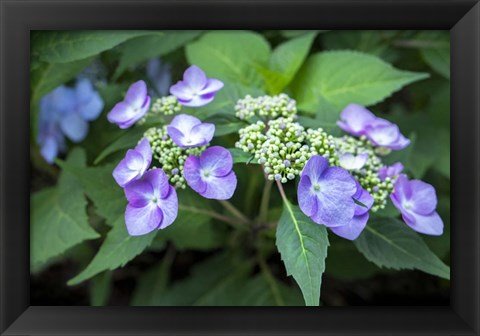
x=314 y=168
x=188 y=131
x=169 y=206
x=123 y=174
x=49 y=149
x=134 y=165
x=197 y=101
x=139 y=193
x=159 y=182
x=390 y=171
x=182 y=91
x=160 y=74
x=195 y=78
x=335 y=203
x=89 y=104
x=355 y=119
x=121 y=113
x=383 y=135
x=351 y=162
x=217 y=160
x=363 y=197
x=353 y=229
x=307 y=200
x=192 y=174
x=136 y=94
x=184 y=123
x=143 y=220
x=400 y=143
x=145 y=150
x=424 y=197
x=220 y=188
x=430 y=224
x=74 y=127
x=202 y=134
x=213 y=85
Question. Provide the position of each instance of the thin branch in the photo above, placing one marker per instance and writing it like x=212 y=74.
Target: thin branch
x=265 y=201
x=229 y=220
x=271 y=280
x=234 y=211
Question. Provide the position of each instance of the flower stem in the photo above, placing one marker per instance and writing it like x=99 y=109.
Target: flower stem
x=270 y=279
x=262 y=218
x=282 y=192
x=229 y=220
x=234 y=211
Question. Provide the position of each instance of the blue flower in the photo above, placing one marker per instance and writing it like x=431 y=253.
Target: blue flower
x=160 y=74
x=66 y=112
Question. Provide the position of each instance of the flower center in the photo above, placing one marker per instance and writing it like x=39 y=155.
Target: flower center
x=206 y=173
x=154 y=199
x=316 y=187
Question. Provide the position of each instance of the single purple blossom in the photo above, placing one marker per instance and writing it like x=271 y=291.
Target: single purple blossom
x=390 y=171
x=353 y=229
x=188 y=131
x=211 y=173
x=134 y=165
x=132 y=108
x=325 y=193
x=196 y=89
x=353 y=162
x=152 y=203
x=358 y=121
x=417 y=201
x=160 y=74
x=65 y=112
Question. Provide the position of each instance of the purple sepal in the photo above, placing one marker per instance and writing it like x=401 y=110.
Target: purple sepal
x=188 y=131
x=134 y=165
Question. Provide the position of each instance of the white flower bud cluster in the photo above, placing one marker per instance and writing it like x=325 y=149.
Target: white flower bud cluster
x=266 y=107
x=321 y=143
x=367 y=176
x=169 y=156
x=162 y=106
x=251 y=137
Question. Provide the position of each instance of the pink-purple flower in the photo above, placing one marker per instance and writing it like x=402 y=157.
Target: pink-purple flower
x=188 y=131
x=390 y=171
x=353 y=229
x=134 y=165
x=358 y=121
x=325 y=193
x=152 y=203
x=211 y=174
x=195 y=89
x=350 y=161
x=417 y=202
x=132 y=108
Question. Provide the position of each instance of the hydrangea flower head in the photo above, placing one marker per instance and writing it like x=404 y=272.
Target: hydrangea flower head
x=358 y=121
x=132 y=108
x=152 y=203
x=325 y=193
x=350 y=161
x=353 y=229
x=417 y=202
x=195 y=89
x=211 y=174
x=188 y=131
x=65 y=112
x=390 y=171
x=134 y=165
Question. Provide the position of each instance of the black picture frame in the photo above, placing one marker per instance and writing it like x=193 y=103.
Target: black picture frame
x=18 y=17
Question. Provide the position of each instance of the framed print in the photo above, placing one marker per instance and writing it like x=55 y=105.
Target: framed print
x=217 y=167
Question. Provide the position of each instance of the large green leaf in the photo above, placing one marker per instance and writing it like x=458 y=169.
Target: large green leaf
x=117 y=250
x=214 y=282
x=101 y=188
x=100 y=289
x=152 y=284
x=338 y=78
x=303 y=247
x=232 y=55
x=126 y=141
x=59 y=219
x=436 y=52
x=69 y=46
x=285 y=61
x=140 y=49
x=259 y=292
x=388 y=242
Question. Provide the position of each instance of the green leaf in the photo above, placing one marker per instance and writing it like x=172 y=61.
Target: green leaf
x=69 y=46
x=193 y=229
x=152 y=284
x=258 y=292
x=297 y=33
x=140 y=49
x=390 y=243
x=59 y=219
x=101 y=188
x=338 y=78
x=303 y=247
x=437 y=55
x=214 y=282
x=285 y=61
x=126 y=141
x=100 y=288
x=231 y=55
x=116 y=251
x=239 y=156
